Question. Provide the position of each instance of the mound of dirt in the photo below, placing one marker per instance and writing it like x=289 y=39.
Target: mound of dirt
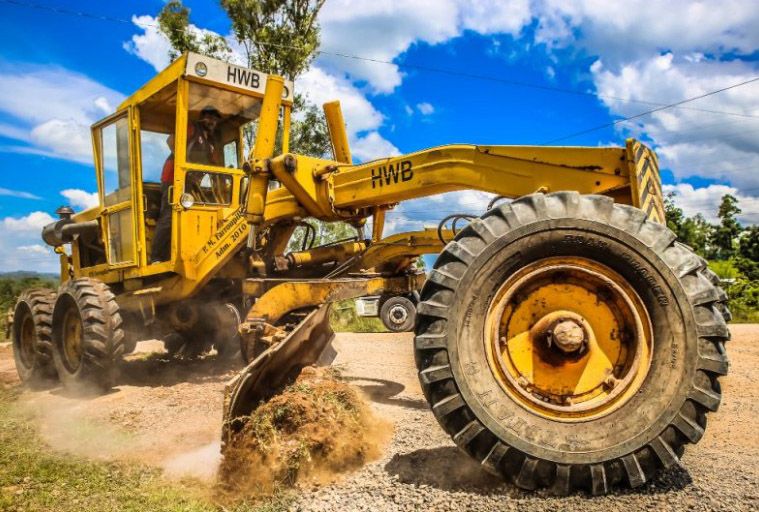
x=314 y=430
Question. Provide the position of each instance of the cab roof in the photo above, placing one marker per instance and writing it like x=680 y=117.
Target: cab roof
x=208 y=70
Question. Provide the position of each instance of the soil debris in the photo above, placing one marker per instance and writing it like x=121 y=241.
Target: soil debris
x=314 y=430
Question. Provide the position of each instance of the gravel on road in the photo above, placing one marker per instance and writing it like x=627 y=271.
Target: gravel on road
x=168 y=414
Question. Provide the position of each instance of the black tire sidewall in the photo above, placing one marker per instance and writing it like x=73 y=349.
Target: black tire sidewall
x=25 y=372
x=641 y=418
x=69 y=378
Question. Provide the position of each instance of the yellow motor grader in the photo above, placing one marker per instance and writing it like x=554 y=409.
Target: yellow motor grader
x=564 y=339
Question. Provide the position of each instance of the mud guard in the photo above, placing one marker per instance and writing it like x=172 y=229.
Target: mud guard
x=309 y=343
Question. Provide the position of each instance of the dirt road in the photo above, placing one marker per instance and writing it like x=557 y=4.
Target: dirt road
x=167 y=413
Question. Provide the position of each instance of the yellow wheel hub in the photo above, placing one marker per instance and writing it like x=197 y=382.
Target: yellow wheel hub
x=568 y=338
x=72 y=339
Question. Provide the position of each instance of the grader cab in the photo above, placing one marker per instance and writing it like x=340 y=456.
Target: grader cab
x=564 y=338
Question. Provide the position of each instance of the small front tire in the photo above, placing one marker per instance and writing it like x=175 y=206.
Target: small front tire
x=398 y=314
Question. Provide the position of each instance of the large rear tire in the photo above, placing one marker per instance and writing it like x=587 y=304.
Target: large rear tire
x=31 y=335
x=88 y=339
x=592 y=278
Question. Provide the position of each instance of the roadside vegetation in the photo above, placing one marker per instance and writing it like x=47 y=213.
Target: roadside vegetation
x=34 y=478
x=343 y=318
x=731 y=249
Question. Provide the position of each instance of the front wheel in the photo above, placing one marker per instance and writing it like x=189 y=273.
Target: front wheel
x=565 y=341
x=398 y=314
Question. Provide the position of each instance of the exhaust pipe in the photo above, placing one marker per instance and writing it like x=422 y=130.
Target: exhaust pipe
x=64 y=231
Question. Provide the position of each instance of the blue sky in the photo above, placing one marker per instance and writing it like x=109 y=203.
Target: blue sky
x=582 y=64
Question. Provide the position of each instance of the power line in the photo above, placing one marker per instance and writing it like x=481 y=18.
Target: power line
x=652 y=111
x=445 y=71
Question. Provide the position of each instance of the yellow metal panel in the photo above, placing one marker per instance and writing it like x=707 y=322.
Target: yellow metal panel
x=645 y=181
x=297 y=174
x=337 y=134
x=266 y=134
x=503 y=170
x=286 y=113
x=401 y=247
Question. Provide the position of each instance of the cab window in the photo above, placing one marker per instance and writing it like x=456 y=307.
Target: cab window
x=209 y=188
x=114 y=161
x=157 y=122
x=218 y=143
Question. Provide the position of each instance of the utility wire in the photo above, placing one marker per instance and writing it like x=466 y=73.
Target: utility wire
x=444 y=71
x=652 y=111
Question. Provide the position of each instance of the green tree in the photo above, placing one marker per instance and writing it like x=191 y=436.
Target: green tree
x=725 y=235
x=748 y=246
x=324 y=233
x=696 y=233
x=674 y=215
x=174 y=22
x=692 y=231
x=279 y=36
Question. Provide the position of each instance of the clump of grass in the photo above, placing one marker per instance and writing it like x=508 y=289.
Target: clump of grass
x=316 y=428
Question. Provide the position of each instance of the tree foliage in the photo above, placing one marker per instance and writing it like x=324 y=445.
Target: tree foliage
x=732 y=249
x=693 y=231
x=174 y=22
x=724 y=236
x=279 y=36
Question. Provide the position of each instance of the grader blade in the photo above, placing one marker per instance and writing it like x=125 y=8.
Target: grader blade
x=309 y=343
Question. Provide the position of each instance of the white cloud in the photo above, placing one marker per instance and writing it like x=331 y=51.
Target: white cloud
x=153 y=47
x=320 y=87
x=17 y=193
x=425 y=108
x=20 y=244
x=36 y=249
x=150 y=46
x=691 y=142
x=372 y=145
x=32 y=221
x=624 y=31
x=385 y=30
x=706 y=200
x=52 y=109
x=81 y=199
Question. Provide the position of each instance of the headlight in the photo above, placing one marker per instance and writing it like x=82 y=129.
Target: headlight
x=186 y=200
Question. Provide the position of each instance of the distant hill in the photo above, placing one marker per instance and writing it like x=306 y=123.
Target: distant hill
x=21 y=274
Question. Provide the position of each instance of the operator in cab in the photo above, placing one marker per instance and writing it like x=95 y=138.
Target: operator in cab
x=203 y=147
